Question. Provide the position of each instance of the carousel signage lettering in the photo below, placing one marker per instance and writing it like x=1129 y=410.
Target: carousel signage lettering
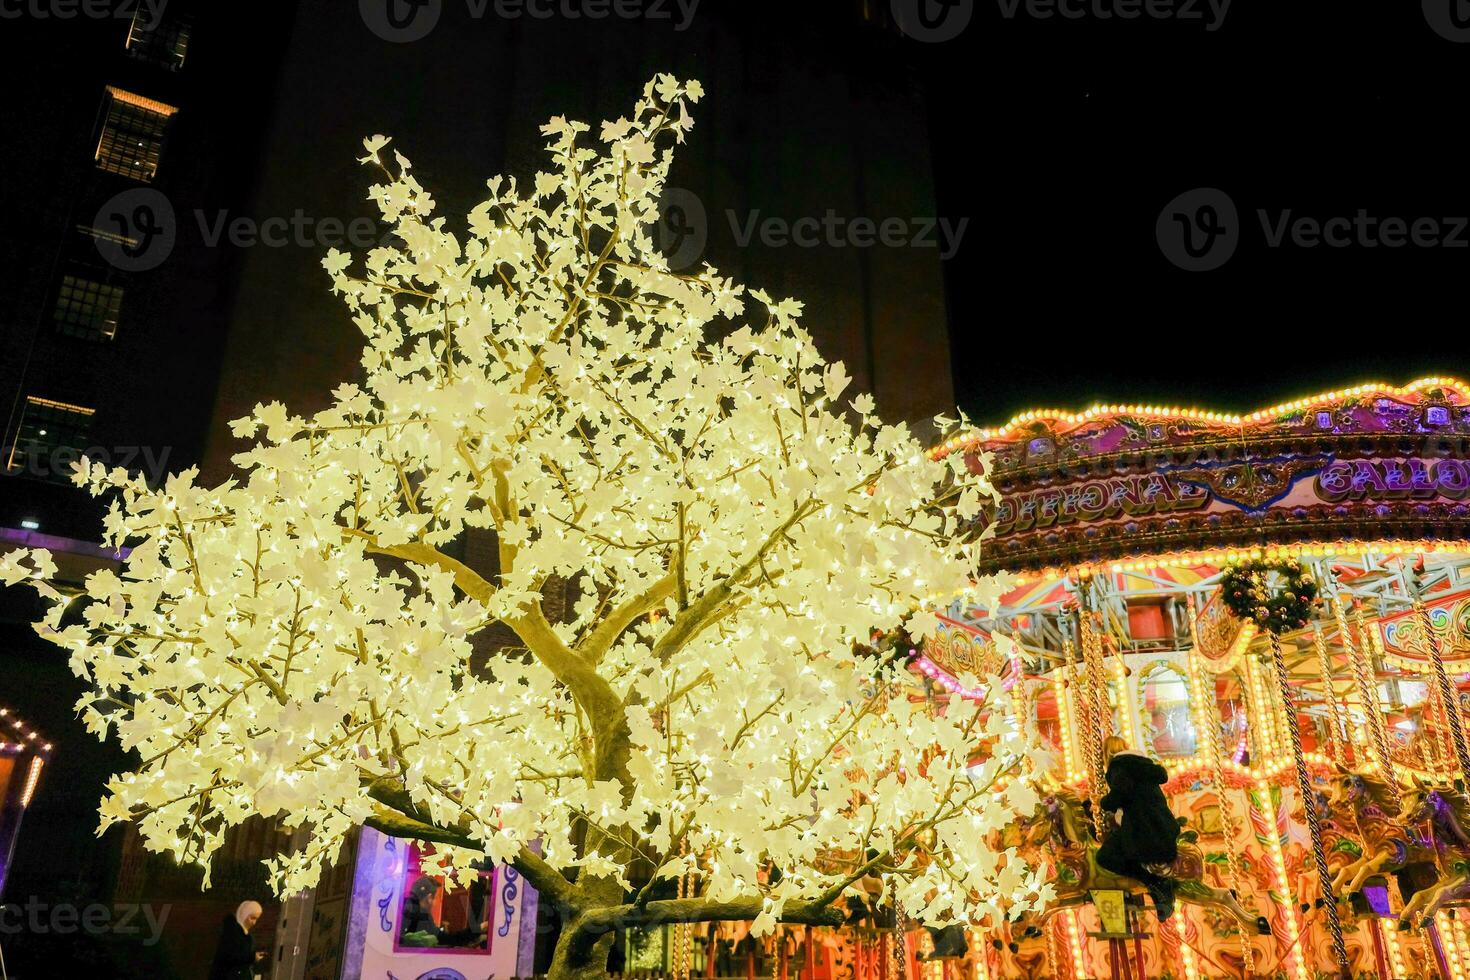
x=956 y=650
x=1133 y=496
x=1393 y=479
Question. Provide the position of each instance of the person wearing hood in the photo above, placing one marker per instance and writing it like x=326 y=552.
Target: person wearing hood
x=1147 y=832
x=236 y=956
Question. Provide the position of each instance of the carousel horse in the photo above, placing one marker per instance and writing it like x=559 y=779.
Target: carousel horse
x=1388 y=845
x=1447 y=815
x=1059 y=824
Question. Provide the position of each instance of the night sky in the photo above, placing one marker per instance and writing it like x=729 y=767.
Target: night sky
x=1065 y=139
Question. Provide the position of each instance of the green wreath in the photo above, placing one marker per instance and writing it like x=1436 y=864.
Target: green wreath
x=1277 y=594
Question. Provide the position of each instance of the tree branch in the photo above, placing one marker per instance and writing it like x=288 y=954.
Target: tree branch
x=396 y=816
x=469 y=581
x=598 y=642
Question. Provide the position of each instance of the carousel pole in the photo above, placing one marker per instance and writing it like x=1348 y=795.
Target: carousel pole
x=1304 y=787
x=1448 y=695
x=1329 y=693
x=1096 y=722
x=1363 y=672
x=1209 y=720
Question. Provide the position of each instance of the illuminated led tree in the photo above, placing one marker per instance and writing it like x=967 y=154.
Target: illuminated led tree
x=297 y=642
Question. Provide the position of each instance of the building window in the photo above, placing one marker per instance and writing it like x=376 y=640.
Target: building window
x=132 y=134
x=87 y=309
x=159 y=38
x=52 y=437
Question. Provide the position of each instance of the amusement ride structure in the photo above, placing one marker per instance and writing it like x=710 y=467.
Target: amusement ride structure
x=1277 y=607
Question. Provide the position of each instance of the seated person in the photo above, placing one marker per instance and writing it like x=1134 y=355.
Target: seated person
x=1147 y=832
x=418 y=926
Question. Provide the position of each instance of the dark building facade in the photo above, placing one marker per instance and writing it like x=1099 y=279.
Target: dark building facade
x=813 y=111
x=129 y=126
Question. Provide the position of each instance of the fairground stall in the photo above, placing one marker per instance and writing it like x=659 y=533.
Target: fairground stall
x=1276 y=606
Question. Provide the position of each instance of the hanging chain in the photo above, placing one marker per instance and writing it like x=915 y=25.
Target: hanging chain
x=900 y=947
x=683 y=931
x=1076 y=737
x=1210 y=715
x=1097 y=683
x=1309 y=806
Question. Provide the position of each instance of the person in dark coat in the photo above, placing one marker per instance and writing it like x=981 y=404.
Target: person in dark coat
x=236 y=957
x=1146 y=832
x=420 y=928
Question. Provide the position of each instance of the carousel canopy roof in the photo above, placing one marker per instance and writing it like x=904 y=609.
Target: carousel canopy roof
x=1126 y=485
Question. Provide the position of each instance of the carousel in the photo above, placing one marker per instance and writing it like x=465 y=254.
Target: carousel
x=23 y=751
x=1276 y=607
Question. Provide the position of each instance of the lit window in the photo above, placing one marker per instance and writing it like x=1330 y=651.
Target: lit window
x=438 y=914
x=52 y=436
x=132 y=134
x=157 y=37
x=87 y=309
x=1168 y=724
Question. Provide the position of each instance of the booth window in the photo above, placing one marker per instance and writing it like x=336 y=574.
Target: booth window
x=436 y=913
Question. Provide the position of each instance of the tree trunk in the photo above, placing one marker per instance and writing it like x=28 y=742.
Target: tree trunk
x=581 y=954
x=574 y=959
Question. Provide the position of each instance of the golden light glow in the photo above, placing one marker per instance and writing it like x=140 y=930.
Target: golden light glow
x=141 y=102
x=1454 y=955
x=1283 y=887
x=1071 y=419
x=1390 y=932
x=1062 y=691
x=1074 y=936
x=31 y=777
